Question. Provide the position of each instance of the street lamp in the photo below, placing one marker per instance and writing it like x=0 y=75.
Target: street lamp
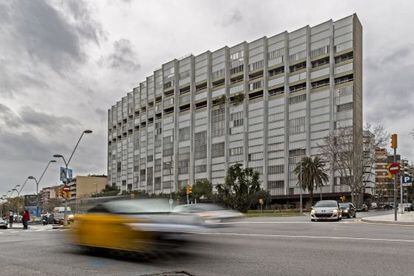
x=87 y=131
x=37 y=194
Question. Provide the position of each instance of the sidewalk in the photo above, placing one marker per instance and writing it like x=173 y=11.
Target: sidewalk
x=37 y=227
x=405 y=219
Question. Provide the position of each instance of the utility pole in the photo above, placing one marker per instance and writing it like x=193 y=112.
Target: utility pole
x=394 y=146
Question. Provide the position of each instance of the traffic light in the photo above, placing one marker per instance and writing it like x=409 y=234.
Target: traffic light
x=394 y=141
x=189 y=190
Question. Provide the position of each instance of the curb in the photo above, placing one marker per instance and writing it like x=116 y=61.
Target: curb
x=387 y=222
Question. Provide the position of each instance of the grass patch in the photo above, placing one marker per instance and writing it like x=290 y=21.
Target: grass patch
x=272 y=213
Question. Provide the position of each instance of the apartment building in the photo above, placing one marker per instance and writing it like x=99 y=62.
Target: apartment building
x=86 y=186
x=369 y=162
x=265 y=104
x=383 y=181
x=48 y=193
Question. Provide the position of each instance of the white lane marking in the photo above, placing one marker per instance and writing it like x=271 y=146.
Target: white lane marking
x=306 y=237
x=283 y=222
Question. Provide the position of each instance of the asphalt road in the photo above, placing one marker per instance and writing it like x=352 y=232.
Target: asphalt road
x=257 y=246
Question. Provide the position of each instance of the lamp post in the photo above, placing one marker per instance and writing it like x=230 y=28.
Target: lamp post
x=37 y=194
x=65 y=220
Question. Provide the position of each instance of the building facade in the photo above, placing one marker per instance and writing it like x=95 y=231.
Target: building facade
x=264 y=104
x=48 y=193
x=86 y=186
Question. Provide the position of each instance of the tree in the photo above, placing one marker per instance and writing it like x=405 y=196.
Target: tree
x=202 y=188
x=311 y=174
x=108 y=191
x=351 y=160
x=239 y=188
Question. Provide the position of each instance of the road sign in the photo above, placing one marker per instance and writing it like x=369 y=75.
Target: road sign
x=407 y=181
x=394 y=168
x=261 y=201
x=65 y=175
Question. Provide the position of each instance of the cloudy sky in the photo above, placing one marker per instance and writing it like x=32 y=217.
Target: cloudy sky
x=64 y=63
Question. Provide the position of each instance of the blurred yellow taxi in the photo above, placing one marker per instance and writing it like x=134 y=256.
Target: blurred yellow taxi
x=132 y=225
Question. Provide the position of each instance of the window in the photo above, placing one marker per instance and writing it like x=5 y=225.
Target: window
x=167 y=168
x=275 y=184
x=255 y=156
x=276 y=169
x=201 y=168
x=149 y=176
x=277 y=91
x=183 y=166
x=200 y=144
x=236 y=69
x=118 y=167
x=217 y=74
x=344 y=79
x=344 y=57
x=297 y=125
x=184 y=90
x=237 y=56
x=255 y=85
x=217 y=150
x=183 y=160
x=150 y=158
x=298 y=87
x=297 y=56
x=320 y=51
x=276 y=53
x=142 y=175
x=256 y=65
x=157 y=183
x=320 y=62
x=320 y=83
x=344 y=107
x=236 y=151
x=276 y=71
x=184 y=134
x=297 y=99
x=158 y=165
x=237 y=118
x=297 y=67
x=217 y=121
x=167 y=146
x=201 y=87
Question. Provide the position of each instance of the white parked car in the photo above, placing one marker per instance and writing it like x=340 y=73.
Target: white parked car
x=3 y=223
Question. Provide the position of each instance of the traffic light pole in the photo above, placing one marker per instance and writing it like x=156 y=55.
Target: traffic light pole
x=395 y=187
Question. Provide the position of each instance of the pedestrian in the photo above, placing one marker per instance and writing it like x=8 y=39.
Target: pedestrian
x=25 y=218
x=11 y=218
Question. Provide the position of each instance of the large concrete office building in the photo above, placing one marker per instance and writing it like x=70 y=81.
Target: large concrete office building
x=265 y=104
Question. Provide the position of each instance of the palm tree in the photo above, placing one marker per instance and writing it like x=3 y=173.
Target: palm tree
x=311 y=174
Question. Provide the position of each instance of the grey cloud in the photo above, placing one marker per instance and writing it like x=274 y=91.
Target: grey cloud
x=27 y=147
x=9 y=118
x=234 y=17
x=44 y=32
x=47 y=34
x=398 y=55
x=123 y=56
x=85 y=25
x=45 y=121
